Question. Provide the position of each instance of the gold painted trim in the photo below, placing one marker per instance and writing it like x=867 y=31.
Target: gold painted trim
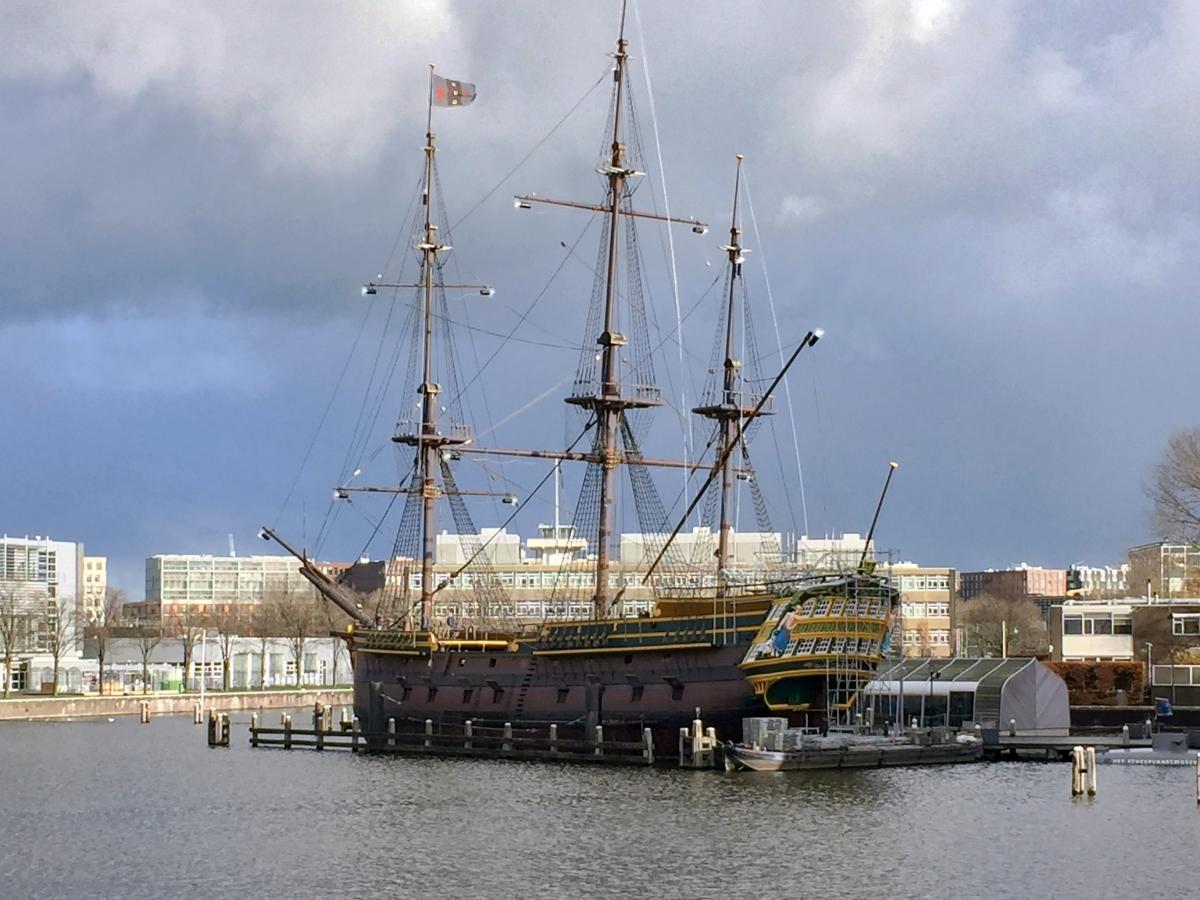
x=640 y=649
x=776 y=660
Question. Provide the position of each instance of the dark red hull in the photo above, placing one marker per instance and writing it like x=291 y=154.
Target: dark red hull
x=624 y=692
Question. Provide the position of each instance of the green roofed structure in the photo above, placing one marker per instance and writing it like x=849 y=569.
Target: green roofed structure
x=964 y=692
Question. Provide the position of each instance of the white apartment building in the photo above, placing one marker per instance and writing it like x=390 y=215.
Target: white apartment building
x=95 y=585
x=750 y=550
x=1093 y=629
x=1101 y=581
x=40 y=578
x=496 y=545
x=832 y=554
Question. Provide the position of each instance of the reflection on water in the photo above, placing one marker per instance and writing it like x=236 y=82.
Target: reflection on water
x=119 y=809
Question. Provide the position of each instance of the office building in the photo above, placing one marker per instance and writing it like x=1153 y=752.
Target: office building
x=1165 y=570
x=926 y=626
x=178 y=584
x=1023 y=582
x=40 y=583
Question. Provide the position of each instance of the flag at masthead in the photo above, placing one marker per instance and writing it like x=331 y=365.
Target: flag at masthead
x=448 y=92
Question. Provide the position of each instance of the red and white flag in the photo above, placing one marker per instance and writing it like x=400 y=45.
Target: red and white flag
x=448 y=92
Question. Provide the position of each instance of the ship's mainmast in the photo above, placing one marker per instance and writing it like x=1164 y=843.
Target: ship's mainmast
x=609 y=402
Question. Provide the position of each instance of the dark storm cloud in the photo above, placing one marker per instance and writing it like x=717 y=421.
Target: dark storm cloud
x=991 y=208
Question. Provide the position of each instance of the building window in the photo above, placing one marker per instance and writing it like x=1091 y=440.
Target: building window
x=1185 y=624
x=562 y=695
x=1072 y=624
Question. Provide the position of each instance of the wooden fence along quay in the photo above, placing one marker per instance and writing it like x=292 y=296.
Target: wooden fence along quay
x=697 y=747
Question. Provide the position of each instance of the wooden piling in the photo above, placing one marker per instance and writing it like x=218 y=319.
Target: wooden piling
x=554 y=739
x=1090 y=762
x=145 y=712
x=197 y=714
x=429 y=732
x=468 y=733
x=253 y=729
x=391 y=733
x=354 y=730
x=287 y=731
x=648 y=740
x=507 y=745
x=212 y=729
x=599 y=740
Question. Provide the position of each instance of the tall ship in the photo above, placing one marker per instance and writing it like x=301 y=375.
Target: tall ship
x=779 y=642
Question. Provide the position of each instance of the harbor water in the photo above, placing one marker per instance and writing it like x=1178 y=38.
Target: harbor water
x=118 y=809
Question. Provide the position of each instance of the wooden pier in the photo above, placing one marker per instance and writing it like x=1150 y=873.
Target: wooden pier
x=466 y=740
x=698 y=747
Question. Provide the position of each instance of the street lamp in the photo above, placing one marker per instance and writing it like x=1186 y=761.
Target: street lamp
x=1150 y=670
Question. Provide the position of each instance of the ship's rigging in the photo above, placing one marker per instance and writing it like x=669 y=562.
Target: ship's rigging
x=614 y=389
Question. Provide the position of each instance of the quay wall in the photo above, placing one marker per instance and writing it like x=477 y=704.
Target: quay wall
x=25 y=708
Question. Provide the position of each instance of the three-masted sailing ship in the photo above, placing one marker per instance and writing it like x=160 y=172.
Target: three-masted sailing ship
x=786 y=643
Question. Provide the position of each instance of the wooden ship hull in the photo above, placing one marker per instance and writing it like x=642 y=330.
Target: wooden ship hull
x=803 y=655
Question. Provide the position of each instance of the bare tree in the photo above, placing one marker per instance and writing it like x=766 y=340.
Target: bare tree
x=264 y=626
x=186 y=624
x=14 y=629
x=991 y=623
x=340 y=652
x=228 y=622
x=1164 y=645
x=147 y=638
x=924 y=639
x=60 y=626
x=299 y=619
x=1175 y=491
x=108 y=617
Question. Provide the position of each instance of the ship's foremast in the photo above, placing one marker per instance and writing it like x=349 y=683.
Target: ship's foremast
x=428 y=440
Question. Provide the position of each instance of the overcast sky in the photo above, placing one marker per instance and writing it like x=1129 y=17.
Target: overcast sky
x=991 y=208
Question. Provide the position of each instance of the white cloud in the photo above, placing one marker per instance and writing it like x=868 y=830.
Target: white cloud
x=1094 y=237
x=310 y=84
x=801 y=210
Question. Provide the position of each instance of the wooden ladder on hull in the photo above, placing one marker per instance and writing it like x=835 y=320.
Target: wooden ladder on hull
x=530 y=672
